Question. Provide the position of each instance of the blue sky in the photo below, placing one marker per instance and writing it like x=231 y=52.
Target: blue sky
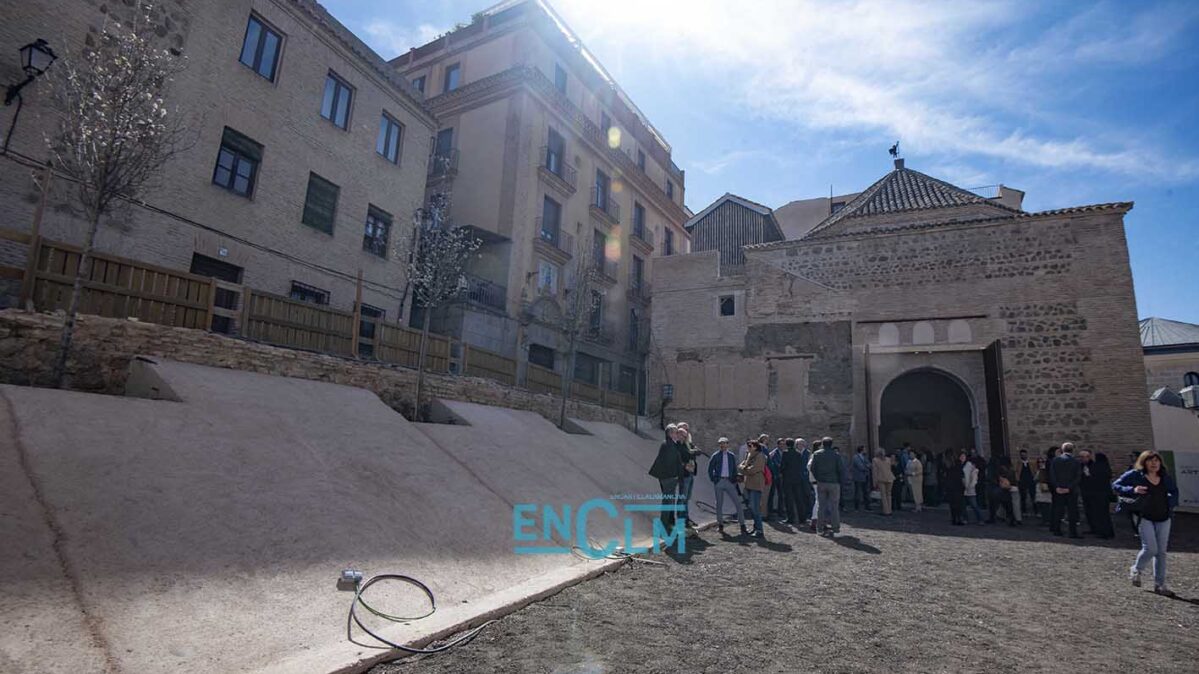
x=1075 y=103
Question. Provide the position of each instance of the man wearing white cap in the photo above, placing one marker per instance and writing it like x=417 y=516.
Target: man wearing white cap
x=722 y=470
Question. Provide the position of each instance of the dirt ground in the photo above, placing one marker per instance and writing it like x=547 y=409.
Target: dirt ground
x=905 y=593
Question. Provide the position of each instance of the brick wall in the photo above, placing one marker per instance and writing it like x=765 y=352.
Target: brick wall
x=104 y=347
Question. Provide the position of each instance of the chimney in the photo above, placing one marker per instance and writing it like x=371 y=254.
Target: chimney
x=898 y=163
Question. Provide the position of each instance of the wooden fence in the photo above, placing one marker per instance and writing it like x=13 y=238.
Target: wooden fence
x=299 y=325
x=118 y=288
x=482 y=363
x=123 y=288
x=542 y=380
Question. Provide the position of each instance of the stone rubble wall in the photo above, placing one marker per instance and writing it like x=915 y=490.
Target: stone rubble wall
x=104 y=347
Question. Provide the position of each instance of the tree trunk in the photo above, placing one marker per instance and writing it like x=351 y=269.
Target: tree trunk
x=59 y=374
x=567 y=377
x=420 y=364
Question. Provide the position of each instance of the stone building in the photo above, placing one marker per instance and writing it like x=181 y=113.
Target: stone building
x=1171 y=353
x=308 y=159
x=548 y=159
x=919 y=312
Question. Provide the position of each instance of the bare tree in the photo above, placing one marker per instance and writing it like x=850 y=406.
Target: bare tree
x=581 y=298
x=437 y=270
x=116 y=132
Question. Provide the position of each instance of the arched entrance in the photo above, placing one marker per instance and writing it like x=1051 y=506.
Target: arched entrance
x=928 y=409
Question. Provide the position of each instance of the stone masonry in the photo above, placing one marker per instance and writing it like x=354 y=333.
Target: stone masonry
x=104 y=347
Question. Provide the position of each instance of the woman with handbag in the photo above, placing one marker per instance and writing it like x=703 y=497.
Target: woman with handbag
x=1150 y=494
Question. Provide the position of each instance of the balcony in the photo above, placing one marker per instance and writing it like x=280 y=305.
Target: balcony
x=604 y=271
x=639 y=291
x=602 y=333
x=642 y=238
x=484 y=293
x=604 y=207
x=556 y=173
x=552 y=242
x=443 y=165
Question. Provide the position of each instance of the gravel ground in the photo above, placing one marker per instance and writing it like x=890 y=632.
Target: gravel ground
x=905 y=593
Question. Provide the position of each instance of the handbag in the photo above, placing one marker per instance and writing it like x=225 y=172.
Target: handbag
x=1132 y=504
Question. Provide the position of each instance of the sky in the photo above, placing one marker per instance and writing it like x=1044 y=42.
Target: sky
x=1074 y=103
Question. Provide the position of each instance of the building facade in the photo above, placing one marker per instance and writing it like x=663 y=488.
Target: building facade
x=919 y=312
x=553 y=166
x=1171 y=354
x=730 y=223
x=307 y=162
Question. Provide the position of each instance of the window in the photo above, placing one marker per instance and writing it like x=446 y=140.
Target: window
x=419 y=84
x=728 y=305
x=667 y=241
x=587 y=368
x=444 y=144
x=260 y=49
x=551 y=220
x=637 y=274
x=237 y=163
x=638 y=220
x=596 y=318
x=369 y=317
x=547 y=277
x=388 y=142
x=555 y=148
x=559 y=78
x=1190 y=379
x=376 y=231
x=641 y=160
x=320 y=203
x=453 y=76
x=306 y=293
x=627 y=380
x=605 y=121
x=335 y=106
x=669 y=189
x=542 y=356
x=603 y=185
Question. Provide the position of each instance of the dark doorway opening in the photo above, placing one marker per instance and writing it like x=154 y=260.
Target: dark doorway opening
x=927 y=409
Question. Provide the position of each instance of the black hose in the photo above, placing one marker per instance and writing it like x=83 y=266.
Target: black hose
x=467 y=636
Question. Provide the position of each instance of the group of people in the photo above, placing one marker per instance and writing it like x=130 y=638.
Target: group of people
x=809 y=486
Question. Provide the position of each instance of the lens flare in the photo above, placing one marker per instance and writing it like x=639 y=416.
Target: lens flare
x=612 y=246
x=614 y=138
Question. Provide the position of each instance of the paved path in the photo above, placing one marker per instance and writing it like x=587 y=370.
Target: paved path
x=908 y=593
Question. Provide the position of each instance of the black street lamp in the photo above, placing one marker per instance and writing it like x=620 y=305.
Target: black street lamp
x=36 y=57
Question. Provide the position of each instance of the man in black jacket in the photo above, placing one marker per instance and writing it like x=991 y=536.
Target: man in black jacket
x=1026 y=473
x=668 y=469
x=1065 y=473
x=794 y=484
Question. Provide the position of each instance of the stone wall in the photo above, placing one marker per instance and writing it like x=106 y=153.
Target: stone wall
x=1055 y=291
x=104 y=347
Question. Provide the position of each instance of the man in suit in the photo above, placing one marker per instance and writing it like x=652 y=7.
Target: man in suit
x=668 y=470
x=722 y=471
x=1065 y=474
x=1026 y=478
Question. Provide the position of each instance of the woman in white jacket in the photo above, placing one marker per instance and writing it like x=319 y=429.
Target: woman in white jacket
x=970 y=479
x=915 y=473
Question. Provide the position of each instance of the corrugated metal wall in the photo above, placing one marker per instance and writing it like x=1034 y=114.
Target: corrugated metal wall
x=729 y=227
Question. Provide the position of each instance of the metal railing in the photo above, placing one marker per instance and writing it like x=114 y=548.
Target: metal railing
x=554 y=236
x=443 y=164
x=556 y=165
x=603 y=333
x=603 y=203
x=639 y=290
x=644 y=233
x=486 y=293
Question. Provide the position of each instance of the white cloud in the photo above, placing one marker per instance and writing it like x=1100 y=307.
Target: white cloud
x=948 y=79
x=391 y=39
x=719 y=163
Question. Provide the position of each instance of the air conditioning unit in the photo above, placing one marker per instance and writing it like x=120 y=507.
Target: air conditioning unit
x=1190 y=397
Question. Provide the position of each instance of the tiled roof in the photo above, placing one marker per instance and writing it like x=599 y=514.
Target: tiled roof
x=1121 y=206
x=904 y=190
x=1163 y=332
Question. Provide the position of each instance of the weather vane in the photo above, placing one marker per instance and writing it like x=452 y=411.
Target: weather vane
x=894 y=150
